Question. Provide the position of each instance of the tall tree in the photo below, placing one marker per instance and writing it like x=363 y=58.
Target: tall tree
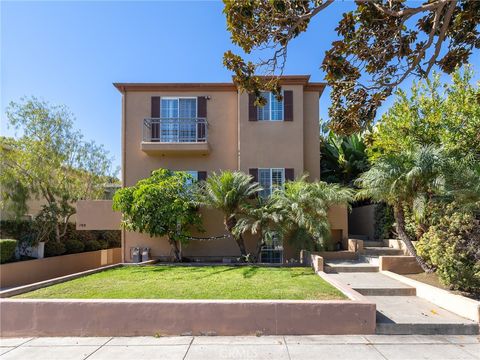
x=160 y=205
x=381 y=43
x=51 y=161
x=406 y=180
x=228 y=192
x=436 y=113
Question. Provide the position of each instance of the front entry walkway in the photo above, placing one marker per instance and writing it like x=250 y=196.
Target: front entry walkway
x=331 y=347
x=399 y=311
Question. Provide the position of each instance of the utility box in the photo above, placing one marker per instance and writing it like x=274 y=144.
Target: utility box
x=145 y=254
x=135 y=254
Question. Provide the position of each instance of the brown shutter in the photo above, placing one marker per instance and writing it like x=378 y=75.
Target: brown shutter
x=252 y=109
x=254 y=174
x=288 y=105
x=201 y=123
x=201 y=175
x=155 y=113
x=289 y=175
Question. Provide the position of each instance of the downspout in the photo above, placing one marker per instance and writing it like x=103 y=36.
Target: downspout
x=124 y=115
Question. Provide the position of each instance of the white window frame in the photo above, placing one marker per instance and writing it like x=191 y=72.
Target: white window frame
x=178 y=117
x=270 y=102
x=271 y=170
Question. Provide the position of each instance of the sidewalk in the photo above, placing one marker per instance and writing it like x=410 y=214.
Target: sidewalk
x=327 y=347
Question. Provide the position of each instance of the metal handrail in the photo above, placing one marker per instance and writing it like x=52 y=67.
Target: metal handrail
x=168 y=130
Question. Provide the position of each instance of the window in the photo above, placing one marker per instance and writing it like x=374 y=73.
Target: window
x=273 y=252
x=178 y=119
x=273 y=109
x=270 y=179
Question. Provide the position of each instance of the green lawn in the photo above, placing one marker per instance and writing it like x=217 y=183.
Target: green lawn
x=208 y=282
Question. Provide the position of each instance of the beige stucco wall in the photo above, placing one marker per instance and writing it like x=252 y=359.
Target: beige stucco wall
x=32 y=271
x=235 y=143
x=97 y=215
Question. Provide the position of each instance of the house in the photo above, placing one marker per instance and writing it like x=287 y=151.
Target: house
x=207 y=127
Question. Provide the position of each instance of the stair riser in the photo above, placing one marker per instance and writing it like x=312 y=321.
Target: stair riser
x=392 y=252
x=427 y=329
x=387 y=292
x=338 y=269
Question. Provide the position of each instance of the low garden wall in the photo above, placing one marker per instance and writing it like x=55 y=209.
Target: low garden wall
x=32 y=271
x=399 y=264
x=32 y=317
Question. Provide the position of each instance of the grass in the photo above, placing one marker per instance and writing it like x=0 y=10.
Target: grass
x=207 y=282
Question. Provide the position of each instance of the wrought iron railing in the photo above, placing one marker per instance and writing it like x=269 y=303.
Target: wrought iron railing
x=170 y=130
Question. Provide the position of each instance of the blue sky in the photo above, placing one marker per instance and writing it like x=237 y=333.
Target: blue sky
x=71 y=52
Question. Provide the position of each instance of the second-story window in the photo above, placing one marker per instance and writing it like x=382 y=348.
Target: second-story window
x=178 y=119
x=273 y=109
x=270 y=179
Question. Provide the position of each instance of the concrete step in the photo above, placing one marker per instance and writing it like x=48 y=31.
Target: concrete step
x=374 y=244
x=374 y=284
x=349 y=266
x=409 y=315
x=371 y=259
x=359 y=237
x=379 y=251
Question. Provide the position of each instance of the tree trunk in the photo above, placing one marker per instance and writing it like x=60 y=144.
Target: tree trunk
x=402 y=234
x=259 y=249
x=229 y=225
x=176 y=251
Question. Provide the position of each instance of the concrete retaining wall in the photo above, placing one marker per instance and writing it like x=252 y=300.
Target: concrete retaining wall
x=32 y=271
x=399 y=264
x=28 y=317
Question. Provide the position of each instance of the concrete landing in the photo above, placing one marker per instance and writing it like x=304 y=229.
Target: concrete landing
x=381 y=250
x=374 y=284
x=337 y=266
x=413 y=315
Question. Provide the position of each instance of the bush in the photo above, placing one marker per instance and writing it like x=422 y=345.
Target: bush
x=93 y=245
x=452 y=247
x=74 y=246
x=53 y=248
x=112 y=238
x=7 y=250
x=383 y=216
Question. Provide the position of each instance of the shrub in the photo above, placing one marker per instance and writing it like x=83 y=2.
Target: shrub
x=7 y=249
x=383 y=216
x=54 y=248
x=74 y=246
x=93 y=245
x=452 y=247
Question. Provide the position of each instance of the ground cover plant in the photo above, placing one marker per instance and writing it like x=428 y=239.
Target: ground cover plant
x=206 y=282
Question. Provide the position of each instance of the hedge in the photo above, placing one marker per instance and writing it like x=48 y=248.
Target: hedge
x=7 y=250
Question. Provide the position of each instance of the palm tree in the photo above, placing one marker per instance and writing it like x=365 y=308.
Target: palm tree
x=261 y=217
x=405 y=180
x=305 y=208
x=228 y=192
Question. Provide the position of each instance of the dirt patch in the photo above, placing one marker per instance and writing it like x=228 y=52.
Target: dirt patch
x=432 y=279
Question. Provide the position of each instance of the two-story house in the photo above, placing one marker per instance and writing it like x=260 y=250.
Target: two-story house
x=207 y=127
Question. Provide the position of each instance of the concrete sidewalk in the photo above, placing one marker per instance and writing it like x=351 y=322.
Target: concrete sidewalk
x=329 y=347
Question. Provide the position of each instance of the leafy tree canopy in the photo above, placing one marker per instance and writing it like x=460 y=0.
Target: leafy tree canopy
x=51 y=161
x=437 y=114
x=160 y=205
x=380 y=44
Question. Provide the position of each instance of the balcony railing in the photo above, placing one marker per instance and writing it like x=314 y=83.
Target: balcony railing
x=175 y=130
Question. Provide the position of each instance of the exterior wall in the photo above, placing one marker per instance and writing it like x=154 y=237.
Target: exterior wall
x=34 y=206
x=97 y=215
x=235 y=144
x=32 y=271
x=270 y=144
x=361 y=221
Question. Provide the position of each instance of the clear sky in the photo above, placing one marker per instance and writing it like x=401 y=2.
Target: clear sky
x=71 y=52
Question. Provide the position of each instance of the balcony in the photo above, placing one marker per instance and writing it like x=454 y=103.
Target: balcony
x=175 y=136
